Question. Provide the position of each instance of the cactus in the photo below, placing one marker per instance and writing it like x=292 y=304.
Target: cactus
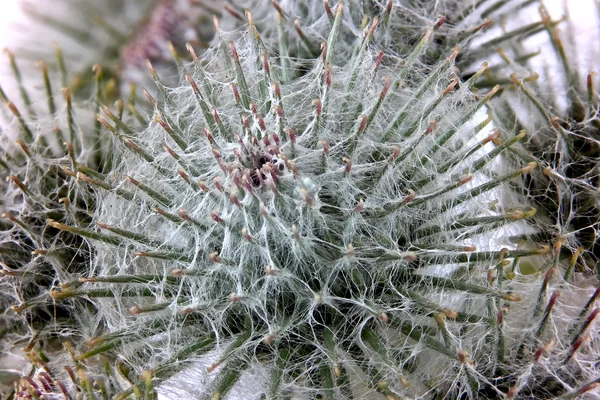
x=36 y=185
x=562 y=107
x=45 y=133
x=335 y=226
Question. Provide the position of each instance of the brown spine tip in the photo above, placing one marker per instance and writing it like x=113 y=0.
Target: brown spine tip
x=383 y=317
x=13 y=109
x=306 y=197
x=212 y=367
x=183 y=214
x=234 y=52
x=380 y=55
x=441 y=21
x=411 y=196
x=214 y=257
x=318 y=106
x=135 y=310
x=549 y=274
x=266 y=65
x=529 y=167
x=246 y=235
x=486 y=24
x=386 y=87
x=192 y=52
x=177 y=273
x=512 y=393
x=327 y=77
x=171 y=152
x=292 y=134
x=151 y=99
x=348 y=166
x=328 y=9
x=233 y=12
x=463 y=357
x=511 y=297
x=215 y=217
x=515 y=80
x=324 y=51
x=269 y=339
x=516 y=214
x=450 y=87
x=183 y=175
x=236 y=93
x=533 y=77
x=104 y=122
x=360 y=206
x=371 y=30
x=270 y=271
x=133 y=181
x=278 y=8
x=24 y=147
x=465 y=180
x=411 y=257
x=277 y=89
x=41 y=64
x=579 y=343
x=84 y=177
x=589 y=387
x=295 y=233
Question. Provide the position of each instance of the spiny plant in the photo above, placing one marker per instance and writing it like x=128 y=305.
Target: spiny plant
x=33 y=257
x=47 y=123
x=332 y=296
x=325 y=226
x=562 y=107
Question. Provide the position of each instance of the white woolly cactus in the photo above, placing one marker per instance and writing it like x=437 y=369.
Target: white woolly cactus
x=325 y=226
x=341 y=221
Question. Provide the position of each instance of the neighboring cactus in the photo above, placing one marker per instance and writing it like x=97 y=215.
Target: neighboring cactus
x=33 y=257
x=333 y=218
x=43 y=130
x=562 y=108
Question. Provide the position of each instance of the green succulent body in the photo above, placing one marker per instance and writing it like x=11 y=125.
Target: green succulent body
x=340 y=221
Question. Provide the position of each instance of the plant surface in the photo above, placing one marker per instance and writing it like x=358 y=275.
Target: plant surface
x=331 y=223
